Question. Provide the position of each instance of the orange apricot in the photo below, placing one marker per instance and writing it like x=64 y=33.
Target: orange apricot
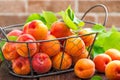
x=74 y=46
x=112 y=70
x=62 y=61
x=113 y=53
x=9 y=51
x=51 y=47
x=88 y=40
x=37 y=29
x=82 y=55
x=23 y=49
x=21 y=66
x=60 y=29
x=84 y=68
x=101 y=60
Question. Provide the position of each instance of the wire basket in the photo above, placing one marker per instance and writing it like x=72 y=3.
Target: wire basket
x=53 y=71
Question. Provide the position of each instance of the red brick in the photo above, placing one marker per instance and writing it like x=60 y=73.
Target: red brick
x=112 y=20
x=113 y=6
x=11 y=20
x=12 y=6
x=49 y=5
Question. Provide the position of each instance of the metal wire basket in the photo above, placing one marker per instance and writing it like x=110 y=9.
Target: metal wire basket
x=33 y=74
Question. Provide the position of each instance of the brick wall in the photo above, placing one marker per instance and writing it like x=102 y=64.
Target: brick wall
x=16 y=11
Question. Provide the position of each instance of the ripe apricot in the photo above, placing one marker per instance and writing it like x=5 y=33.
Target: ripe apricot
x=41 y=63
x=22 y=48
x=21 y=66
x=113 y=53
x=112 y=70
x=101 y=60
x=9 y=51
x=74 y=46
x=15 y=33
x=84 y=68
x=51 y=47
x=66 y=61
x=60 y=29
x=82 y=55
x=37 y=29
x=88 y=40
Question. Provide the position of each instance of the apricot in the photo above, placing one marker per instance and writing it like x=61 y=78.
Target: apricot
x=88 y=40
x=22 y=47
x=84 y=68
x=82 y=55
x=41 y=63
x=60 y=29
x=51 y=47
x=62 y=61
x=21 y=66
x=15 y=33
x=37 y=29
x=113 y=53
x=74 y=46
x=112 y=70
x=101 y=60
x=9 y=51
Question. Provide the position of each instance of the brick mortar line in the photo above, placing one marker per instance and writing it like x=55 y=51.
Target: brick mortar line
x=14 y=14
x=76 y=6
x=77 y=14
x=26 y=6
x=10 y=0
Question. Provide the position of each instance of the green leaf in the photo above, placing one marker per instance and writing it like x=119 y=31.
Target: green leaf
x=49 y=17
x=113 y=41
x=68 y=21
x=98 y=28
x=107 y=40
x=12 y=38
x=1 y=44
x=97 y=50
x=33 y=16
x=1 y=56
x=70 y=13
x=36 y=16
x=78 y=22
x=114 y=29
x=96 y=78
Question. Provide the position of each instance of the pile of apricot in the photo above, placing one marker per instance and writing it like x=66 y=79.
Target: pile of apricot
x=57 y=48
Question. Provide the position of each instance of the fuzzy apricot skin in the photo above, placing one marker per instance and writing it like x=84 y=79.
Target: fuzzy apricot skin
x=74 y=46
x=84 y=68
x=66 y=61
x=112 y=71
x=60 y=29
x=101 y=60
x=51 y=47
x=113 y=53
x=88 y=40
x=21 y=65
x=37 y=29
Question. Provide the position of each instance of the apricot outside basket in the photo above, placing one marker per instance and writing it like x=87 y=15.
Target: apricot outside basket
x=6 y=29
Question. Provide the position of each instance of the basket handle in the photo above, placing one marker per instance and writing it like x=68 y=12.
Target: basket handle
x=98 y=5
